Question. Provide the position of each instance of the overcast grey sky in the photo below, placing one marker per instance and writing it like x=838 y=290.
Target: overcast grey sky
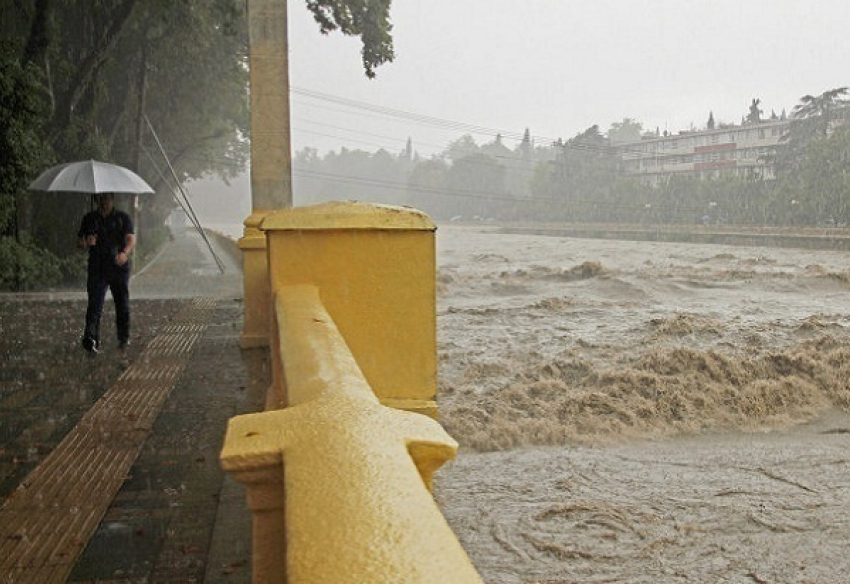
x=559 y=66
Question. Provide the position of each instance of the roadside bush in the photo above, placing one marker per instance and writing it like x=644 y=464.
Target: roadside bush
x=24 y=267
x=73 y=269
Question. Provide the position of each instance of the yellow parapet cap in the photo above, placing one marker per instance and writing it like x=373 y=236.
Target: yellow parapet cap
x=347 y=215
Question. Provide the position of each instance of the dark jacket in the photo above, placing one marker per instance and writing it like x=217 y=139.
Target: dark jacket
x=111 y=232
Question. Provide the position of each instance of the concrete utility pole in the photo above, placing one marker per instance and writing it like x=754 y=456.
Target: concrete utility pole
x=271 y=155
x=271 y=170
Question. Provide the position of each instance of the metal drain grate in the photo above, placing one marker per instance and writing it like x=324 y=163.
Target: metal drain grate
x=47 y=522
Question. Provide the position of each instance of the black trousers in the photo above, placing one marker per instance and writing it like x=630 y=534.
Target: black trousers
x=117 y=279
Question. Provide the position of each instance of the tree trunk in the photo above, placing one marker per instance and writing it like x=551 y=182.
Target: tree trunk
x=39 y=36
x=85 y=73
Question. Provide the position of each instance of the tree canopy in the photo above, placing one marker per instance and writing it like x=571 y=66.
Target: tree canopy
x=628 y=130
x=814 y=118
x=368 y=19
x=79 y=80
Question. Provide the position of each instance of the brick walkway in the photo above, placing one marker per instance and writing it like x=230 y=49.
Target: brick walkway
x=47 y=521
x=134 y=492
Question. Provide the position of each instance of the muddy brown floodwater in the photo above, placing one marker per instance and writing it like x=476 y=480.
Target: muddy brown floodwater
x=645 y=412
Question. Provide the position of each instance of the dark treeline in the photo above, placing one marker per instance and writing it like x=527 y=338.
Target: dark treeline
x=76 y=80
x=578 y=180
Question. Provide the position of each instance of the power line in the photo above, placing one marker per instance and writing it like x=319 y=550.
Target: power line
x=408 y=133
x=442 y=147
x=359 y=131
x=506 y=164
x=379 y=145
x=442 y=123
x=405 y=115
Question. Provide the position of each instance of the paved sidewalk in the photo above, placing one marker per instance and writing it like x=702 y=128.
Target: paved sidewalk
x=170 y=514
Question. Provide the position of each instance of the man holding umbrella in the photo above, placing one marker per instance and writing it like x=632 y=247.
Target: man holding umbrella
x=107 y=233
x=109 y=236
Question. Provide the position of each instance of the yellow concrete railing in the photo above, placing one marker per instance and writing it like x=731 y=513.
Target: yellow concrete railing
x=355 y=473
x=337 y=481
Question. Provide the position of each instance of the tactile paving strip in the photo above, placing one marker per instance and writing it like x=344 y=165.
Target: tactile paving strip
x=47 y=522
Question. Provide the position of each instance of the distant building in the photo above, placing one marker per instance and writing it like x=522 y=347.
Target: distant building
x=743 y=151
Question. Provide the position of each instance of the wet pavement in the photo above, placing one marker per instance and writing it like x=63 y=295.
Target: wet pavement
x=175 y=516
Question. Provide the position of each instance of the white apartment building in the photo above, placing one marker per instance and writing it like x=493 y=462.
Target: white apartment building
x=743 y=151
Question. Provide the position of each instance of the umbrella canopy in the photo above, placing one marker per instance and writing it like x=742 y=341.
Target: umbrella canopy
x=90 y=176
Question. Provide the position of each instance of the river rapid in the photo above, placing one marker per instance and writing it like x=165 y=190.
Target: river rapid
x=644 y=412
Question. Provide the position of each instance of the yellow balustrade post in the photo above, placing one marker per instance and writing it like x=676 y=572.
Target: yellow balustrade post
x=265 y=497
x=271 y=177
x=375 y=268
x=255 y=280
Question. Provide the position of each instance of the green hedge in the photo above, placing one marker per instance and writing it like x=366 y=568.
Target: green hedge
x=24 y=267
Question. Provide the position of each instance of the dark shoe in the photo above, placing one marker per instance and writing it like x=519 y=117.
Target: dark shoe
x=123 y=344
x=90 y=345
